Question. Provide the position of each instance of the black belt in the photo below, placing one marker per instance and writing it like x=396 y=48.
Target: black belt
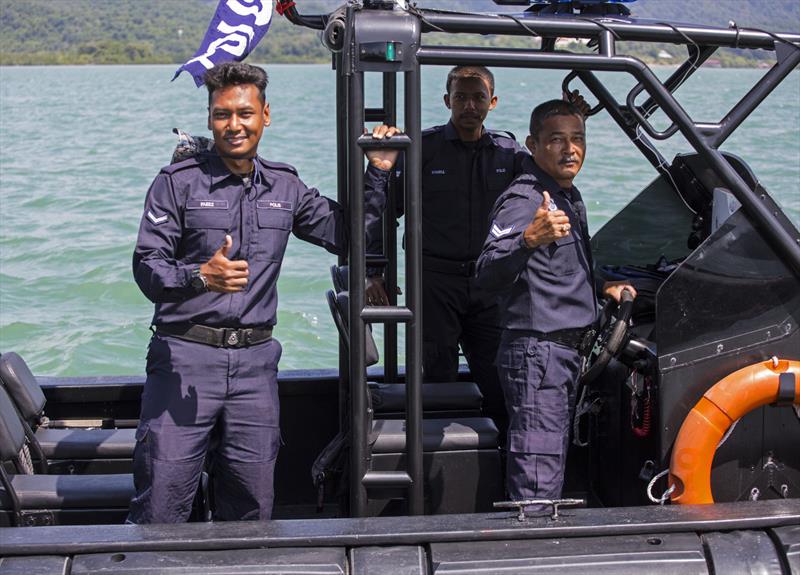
x=217 y=336
x=579 y=338
x=449 y=267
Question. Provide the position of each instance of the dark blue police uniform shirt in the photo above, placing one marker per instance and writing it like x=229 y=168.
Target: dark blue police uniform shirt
x=549 y=287
x=189 y=209
x=460 y=183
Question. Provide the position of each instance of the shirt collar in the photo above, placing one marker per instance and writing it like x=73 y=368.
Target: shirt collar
x=219 y=171
x=547 y=180
x=450 y=133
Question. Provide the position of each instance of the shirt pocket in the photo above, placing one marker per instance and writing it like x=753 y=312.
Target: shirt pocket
x=274 y=225
x=205 y=230
x=564 y=256
x=499 y=172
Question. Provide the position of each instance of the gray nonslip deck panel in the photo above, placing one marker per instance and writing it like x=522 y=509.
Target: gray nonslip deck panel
x=399 y=560
x=743 y=552
x=321 y=561
x=41 y=565
x=674 y=553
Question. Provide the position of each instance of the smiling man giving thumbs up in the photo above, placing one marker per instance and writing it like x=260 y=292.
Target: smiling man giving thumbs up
x=537 y=255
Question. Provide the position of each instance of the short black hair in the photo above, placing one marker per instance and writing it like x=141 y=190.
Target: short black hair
x=548 y=110
x=235 y=74
x=470 y=72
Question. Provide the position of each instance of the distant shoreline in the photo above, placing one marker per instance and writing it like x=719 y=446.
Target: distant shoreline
x=3 y=64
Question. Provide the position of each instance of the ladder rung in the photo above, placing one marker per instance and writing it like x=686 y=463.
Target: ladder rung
x=396 y=142
x=375 y=115
x=385 y=313
x=386 y=479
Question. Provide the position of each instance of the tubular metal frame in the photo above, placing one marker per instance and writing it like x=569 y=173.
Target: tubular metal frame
x=704 y=138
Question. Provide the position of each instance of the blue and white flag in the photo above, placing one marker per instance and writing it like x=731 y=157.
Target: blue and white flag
x=236 y=28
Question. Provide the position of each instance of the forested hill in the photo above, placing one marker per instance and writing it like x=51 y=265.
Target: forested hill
x=170 y=31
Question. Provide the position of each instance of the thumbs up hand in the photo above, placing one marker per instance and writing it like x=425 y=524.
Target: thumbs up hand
x=225 y=275
x=547 y=225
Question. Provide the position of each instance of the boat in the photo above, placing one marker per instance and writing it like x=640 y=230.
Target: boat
x=685 y=454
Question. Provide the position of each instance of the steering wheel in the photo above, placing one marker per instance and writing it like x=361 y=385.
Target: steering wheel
x=612 y=335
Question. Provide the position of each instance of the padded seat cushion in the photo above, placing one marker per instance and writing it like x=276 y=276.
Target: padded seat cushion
x=71 y=491
x=387 y=397
x=460 y=434
x=22 y=386
x=87 y=443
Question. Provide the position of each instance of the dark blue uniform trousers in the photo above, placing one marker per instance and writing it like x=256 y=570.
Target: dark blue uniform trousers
x=539 y=380
x=190 y=389
x=457 y=311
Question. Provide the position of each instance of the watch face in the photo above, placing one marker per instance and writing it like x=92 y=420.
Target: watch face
x=198 y=283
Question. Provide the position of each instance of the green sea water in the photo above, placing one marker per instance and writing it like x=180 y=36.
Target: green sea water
x=79 y=147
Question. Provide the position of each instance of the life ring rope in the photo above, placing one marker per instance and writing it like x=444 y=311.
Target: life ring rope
x=720 y=407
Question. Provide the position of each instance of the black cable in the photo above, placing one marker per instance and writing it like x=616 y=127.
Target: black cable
x=522 y=24
x=601 y=25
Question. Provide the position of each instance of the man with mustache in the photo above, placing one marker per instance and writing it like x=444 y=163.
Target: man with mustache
x=464 y=169
x=537 y=254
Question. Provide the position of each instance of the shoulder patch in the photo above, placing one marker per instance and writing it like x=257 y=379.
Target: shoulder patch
x=157 y=220
x=499 y=232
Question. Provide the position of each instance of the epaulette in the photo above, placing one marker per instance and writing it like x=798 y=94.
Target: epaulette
x=192 y=162
x=502 y=134
x=515 y=187
x=432 y=130
x=278 y=166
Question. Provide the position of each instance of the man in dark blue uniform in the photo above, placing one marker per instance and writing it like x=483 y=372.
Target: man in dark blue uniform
x=209 y=251
x=464 y=169
x=537 y=254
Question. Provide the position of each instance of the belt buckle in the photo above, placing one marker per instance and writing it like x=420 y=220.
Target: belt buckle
x=233 y=337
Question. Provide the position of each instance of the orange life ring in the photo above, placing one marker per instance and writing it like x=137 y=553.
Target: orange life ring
x=728 y=400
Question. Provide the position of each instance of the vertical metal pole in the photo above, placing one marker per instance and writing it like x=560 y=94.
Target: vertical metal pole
x=341 y=197
x=358 y=380
x=607 y=47
x=413 y=204
x=390 y=237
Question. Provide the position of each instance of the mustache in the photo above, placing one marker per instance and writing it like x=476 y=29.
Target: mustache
x=568 y=160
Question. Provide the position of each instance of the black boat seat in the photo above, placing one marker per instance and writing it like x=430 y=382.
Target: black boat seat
x=30 y=498
x=390 y=397
x=461 y=434
x=461 y=464
x=339 y=304
x=75 y=443
x=71 y=491
x=59 y=443
x=456 y=396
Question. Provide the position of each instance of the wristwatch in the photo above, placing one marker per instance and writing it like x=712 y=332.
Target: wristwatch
x=199 y=281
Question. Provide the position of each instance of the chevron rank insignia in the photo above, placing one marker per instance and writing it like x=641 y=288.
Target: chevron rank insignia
x=499 y=232
x=156 y=220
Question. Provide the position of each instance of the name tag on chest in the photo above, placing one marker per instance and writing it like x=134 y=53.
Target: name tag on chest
x=274 y=205
x=207 y=205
